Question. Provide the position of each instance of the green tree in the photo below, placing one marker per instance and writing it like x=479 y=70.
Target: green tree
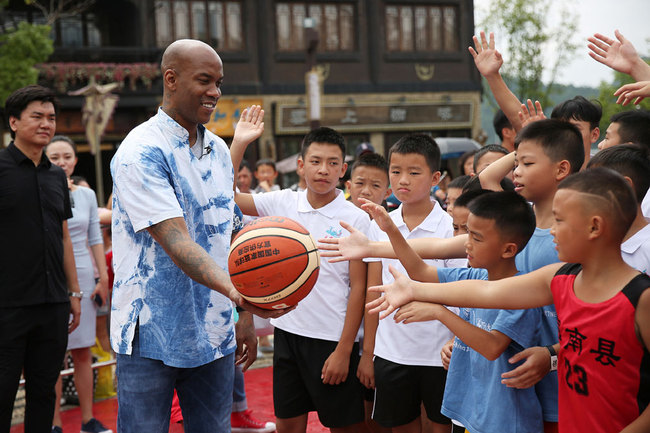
x=608 y=100
x=530 y=45
x=21 y=49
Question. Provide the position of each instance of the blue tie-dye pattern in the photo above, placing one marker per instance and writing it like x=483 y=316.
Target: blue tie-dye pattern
x=165 y=332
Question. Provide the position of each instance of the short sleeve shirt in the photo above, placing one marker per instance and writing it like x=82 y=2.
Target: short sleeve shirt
x=34 y=203
x=474 y=394
x=321 y=314
x=157 y=177
x=414 y=343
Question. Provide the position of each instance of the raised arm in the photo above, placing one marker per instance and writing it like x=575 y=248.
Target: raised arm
x=488 y=61
x=503 y=294
x=248 y=129
x=619 y=54
x=491 y=176
x=412 y=262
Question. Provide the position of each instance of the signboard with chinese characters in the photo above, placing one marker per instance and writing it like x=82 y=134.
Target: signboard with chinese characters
x=227 y=113
x=381 y=116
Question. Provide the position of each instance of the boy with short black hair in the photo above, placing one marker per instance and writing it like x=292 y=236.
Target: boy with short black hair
x=454 y=190
x=633 y=162
x=504 y=130
x=631 y=126
x=316 y=354
x=265 y=173
x=500 y=224
x=603 y=305
x=407 y=370
x=368 y=179
x=486 y=155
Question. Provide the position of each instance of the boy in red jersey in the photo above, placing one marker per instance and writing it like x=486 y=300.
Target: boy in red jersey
x=602 y=303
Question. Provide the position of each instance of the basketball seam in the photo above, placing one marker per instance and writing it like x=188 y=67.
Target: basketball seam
x=272 y=263
x=257 y=300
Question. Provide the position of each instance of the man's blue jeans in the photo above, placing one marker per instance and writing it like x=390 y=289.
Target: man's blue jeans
x=145 y=388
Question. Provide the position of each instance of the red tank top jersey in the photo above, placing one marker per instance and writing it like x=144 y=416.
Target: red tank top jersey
x=604 y=371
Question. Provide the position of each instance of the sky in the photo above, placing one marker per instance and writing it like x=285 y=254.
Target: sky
x=630 y=17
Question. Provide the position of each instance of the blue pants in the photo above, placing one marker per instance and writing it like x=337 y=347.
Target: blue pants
x=146 y=386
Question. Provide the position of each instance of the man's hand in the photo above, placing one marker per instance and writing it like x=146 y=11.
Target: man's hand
x=75 y=312
x=353 y=247
x=416 y=311
x=536 y=366
x=639 y=90
x=378 y=214
x=396 y=294
x=366 y=371
x=487 y=59
x=246 y=340
x=250 y=126
x=335 y=369
x=239 y=300
x=531 y=113
x=445 y=353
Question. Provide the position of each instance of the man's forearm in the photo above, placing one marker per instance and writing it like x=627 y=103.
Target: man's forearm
x=69 y=265
x=193 y=260
x=506 y=100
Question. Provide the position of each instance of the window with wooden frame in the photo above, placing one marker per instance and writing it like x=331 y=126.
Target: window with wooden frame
x=334 y=22
x=218 y=23
x=421 y=28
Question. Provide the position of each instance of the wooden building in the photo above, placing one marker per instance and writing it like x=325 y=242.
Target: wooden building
x=388 y=67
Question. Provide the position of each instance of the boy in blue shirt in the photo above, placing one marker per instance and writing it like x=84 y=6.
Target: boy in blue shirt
x=499 y=224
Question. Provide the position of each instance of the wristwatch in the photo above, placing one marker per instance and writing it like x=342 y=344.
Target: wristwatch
x=553 y=353
x=79 y=294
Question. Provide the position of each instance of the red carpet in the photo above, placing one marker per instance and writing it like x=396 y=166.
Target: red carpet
x=259 y=390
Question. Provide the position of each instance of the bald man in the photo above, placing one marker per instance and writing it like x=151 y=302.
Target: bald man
x=172 y=317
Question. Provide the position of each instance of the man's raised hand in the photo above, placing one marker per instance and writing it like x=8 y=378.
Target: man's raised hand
x=531 y=113
x=639 y=90
x=619 y=54
x=250 y=125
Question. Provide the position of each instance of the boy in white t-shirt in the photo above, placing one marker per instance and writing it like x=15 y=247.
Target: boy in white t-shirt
x=407 y=366
x=316 y=349
x=632 y=161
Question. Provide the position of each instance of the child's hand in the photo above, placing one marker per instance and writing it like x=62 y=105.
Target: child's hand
x=353 y=247
x=619 y=55
x=487 y=59
x=531 y=113
x=378 y=214
x=396 y=294
x=335 y=369
x=445 y=353
x=416 y=311
x=537 y=363
x=639 y=90
x=250 y=126
x=366 y=371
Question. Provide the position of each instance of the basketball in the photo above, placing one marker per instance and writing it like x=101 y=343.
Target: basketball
x=273 y=262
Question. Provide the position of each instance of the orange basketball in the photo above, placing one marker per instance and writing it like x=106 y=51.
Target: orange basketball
x=273 y=262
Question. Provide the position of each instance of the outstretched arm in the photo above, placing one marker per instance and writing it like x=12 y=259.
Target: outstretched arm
x=619 y=54
x=357 y=246
x=488 y=61
x=412 y=262
x=502 y=294
x=249 y=128
x=490 y=344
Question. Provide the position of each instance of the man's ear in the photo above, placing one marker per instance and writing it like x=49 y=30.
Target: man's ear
x=596 y=226
x=12 y=123
x=508 y=133
x=435 y=179
x=170 y=78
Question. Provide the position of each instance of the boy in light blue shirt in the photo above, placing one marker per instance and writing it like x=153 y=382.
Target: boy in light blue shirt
x=500 y=224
